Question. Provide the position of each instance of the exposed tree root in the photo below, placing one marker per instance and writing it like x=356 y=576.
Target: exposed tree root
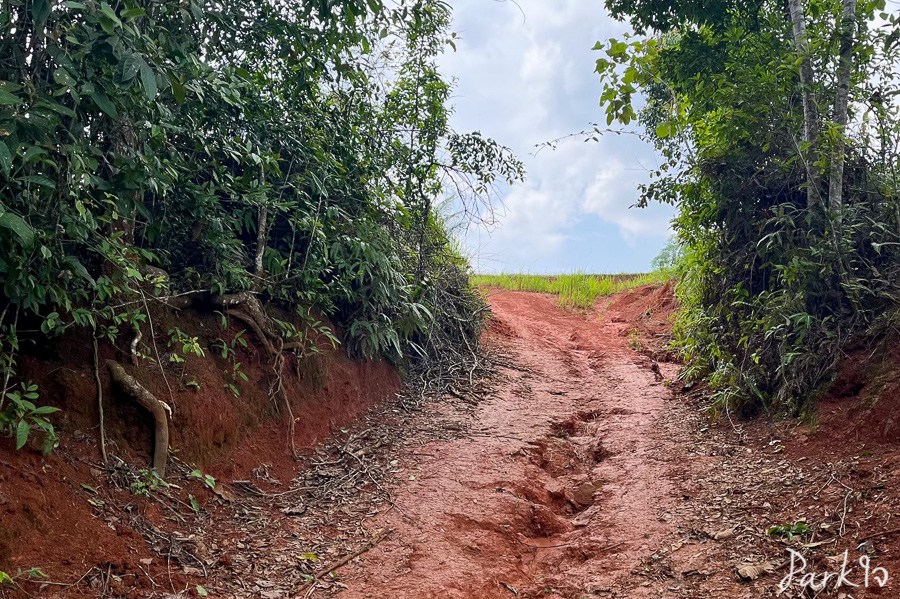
x=277 y=388
x=247 y=308
x=247 y=319
x=100 y=399
x=156 y=408
x=138 y=335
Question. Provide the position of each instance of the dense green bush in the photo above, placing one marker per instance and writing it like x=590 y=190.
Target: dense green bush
x=290 y=149
x=777 y=278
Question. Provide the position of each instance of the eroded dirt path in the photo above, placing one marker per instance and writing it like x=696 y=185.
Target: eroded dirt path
x=563 y=485
x=573 y=472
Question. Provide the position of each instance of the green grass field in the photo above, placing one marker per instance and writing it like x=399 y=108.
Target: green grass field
x=577 y=290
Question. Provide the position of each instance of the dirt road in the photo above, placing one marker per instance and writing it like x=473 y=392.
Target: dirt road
x=579 y=474
x=564 y=486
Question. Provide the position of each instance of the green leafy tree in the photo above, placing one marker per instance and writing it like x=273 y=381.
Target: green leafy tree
x=285 y=152
x=777 y=124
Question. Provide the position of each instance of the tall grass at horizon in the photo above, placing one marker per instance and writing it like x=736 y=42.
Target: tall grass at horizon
x=575 y=290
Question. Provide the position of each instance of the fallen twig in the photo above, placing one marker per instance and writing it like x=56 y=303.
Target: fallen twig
x=343 y=562
x=884 y=533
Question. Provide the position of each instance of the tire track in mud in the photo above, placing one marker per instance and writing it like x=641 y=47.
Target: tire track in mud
x=560 y=487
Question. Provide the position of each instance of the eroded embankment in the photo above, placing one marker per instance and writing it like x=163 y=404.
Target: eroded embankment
x=101 y=530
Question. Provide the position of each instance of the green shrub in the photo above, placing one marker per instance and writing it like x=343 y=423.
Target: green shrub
x=158 y=148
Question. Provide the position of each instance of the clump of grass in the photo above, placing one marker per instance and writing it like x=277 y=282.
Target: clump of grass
x=576 y=290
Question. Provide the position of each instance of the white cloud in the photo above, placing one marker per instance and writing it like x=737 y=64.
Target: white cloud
x=537 y=216
x=524 y=83
x=606 y=196
x=541 y=62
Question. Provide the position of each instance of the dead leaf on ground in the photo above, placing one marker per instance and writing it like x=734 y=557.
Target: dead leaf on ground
x=754 y=571
x=223 y=492
x=721 y=535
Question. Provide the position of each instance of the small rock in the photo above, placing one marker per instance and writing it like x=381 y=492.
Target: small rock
x=583 y=494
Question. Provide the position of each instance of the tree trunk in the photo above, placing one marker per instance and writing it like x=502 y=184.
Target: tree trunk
x=261 y=235
x=810 y=116
x=841 y=102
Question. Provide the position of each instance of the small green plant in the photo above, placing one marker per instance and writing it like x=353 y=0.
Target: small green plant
x=207 y=479
x=305 y=335
x=235 y=375
x=35 y=572
x=228 y=351
x=189 y=346
x=788 y=531
x=195 y=505
x=148 y=481
x=20 y=416
x=31 y=573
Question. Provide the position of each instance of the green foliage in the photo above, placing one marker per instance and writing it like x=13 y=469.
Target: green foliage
x=33 y=573
x=306 y=336
x=147 y=482
x=789 y=531
x=206 y=479
x=668 y=258
x=665 y=15
x=149 y=149
x=228 y=351
x=577 y=290
x=188 y=346
x=20 y=417
x=772 y=288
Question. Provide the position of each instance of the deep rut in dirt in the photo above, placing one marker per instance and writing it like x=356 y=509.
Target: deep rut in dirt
x=559 y=487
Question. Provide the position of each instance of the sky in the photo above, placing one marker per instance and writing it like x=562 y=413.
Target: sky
x=525 y=75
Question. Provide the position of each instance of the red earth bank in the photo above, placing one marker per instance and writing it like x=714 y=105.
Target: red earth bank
x=46 y=520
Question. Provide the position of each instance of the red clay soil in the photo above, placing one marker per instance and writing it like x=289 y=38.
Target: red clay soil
x=583 y=474
x=46 y=519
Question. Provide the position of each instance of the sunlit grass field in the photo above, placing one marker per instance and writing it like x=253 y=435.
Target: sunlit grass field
x=576 y=290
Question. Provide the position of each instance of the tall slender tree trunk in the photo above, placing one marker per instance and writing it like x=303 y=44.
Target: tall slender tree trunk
x=261 y=235
x=810 y=113
x=841 y=106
